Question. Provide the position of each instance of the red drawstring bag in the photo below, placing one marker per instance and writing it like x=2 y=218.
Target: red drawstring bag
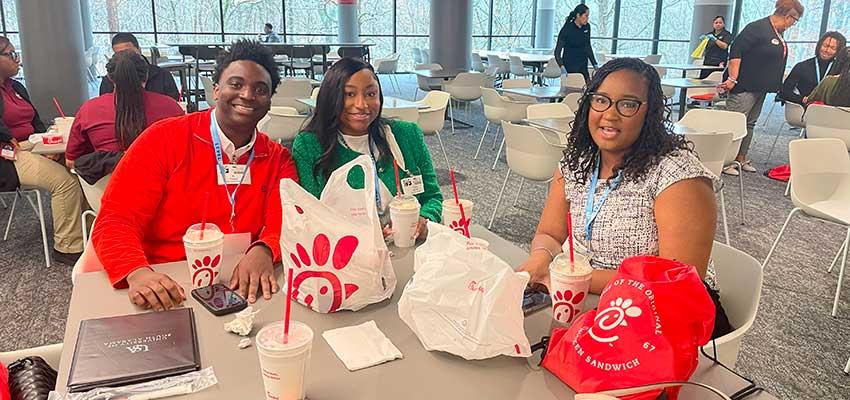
x=651 y=319
x=780 y=173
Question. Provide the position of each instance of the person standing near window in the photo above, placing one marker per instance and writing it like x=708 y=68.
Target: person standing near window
x=268 y=35
x=573 y=49
x=756 y=65
x=717 y=50
x=807 y=74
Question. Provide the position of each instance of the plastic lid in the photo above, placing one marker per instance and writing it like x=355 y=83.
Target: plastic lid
x=211 y=233
x=270 y=338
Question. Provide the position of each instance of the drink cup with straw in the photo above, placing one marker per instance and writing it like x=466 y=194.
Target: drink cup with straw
x=204 y=245
x=457 y=212
x=570 y=276
x=404 y=214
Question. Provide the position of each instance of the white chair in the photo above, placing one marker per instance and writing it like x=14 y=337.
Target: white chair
x=409 y=114
x=549 y=110
x=793 y=117
x=51 y=354
x=517 y=84
x=696 y=73
x=208 y=90
x=502 y=67
x=820 y=169
x=514 y=111
x=93 y=193
x=552 y=70
x=711 y=149
x=37 y=207
x=466 y=87
x=289 y=91
x=427 y=84
x=388 y=66
x=433 y=118
x=315 y=93
x=652 y=59
x=739 y=279
x=668 y=91
x=530 y=154
x=573 y=100
x=824 y=121
x=426 y=56
x=573 y=80
x=282 y=124
x=417 y=56
x=517 y=67
x=708 y=121
x=716 y=76
x=477 y=63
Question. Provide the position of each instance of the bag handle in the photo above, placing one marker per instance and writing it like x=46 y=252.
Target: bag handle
x=614 y=394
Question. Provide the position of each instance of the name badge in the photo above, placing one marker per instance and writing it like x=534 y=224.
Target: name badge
x=775 y=41
x=413 y=185
x=233 y=174
x=8 y=152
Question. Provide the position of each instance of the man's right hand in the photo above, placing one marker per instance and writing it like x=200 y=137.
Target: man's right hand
x=150 y=289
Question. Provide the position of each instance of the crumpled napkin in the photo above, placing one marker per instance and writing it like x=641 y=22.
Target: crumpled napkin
x=361 y=346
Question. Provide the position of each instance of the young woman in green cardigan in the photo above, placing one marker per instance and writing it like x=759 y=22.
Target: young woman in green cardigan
x=347 y=123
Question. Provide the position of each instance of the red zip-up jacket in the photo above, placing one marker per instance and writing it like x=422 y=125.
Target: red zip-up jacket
x=157 y=191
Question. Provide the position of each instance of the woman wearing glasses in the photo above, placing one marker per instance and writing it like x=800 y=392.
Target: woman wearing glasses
x=643 y=189
x=19 y=120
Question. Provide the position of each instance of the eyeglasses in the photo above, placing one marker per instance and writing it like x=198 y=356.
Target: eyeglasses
x=11 y=54
x=626 y=107
x=796 y=18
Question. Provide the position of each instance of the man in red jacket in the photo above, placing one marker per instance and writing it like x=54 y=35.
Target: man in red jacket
x=159 y=187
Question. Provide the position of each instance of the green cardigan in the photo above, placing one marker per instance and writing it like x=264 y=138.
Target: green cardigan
x=306 y=151
x=823 y=92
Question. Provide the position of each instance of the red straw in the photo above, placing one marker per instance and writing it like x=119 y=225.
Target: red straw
x=570 y=239
x=288 y=306
x=463 y=218
x=397 y=179
x=454 y=188
x=204 y=214
x=56 y=103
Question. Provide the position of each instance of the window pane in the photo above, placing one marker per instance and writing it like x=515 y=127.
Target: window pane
x=601 y=17
x=176 y=38
x=512 y=43
x=383 y=45
x=376 y=17
x=11 y=14
x=311 y=17
x=405 y=48
x=188 y=16
x=562 y=10
x=677 y=18
x=250 y=16
x=480 y=17
x=636 y=18
x=839 y=15
x=513 y=17
x=121 y=16
x=479 y=43
x=414 y=17
x=601 y=46
x=675 y=53
x=808 y=28
x=753 y=10
x=636 y=48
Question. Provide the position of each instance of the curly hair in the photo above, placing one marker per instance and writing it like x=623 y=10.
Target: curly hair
x=249 y=50
x=656 y=138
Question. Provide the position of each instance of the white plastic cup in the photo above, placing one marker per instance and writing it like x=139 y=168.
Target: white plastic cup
x=63 y=125
x=204 y=256
x=404 y=214
x=568 y=288
x=451 y=214
x=284 y=365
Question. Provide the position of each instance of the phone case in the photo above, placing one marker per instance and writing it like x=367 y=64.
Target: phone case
x=220 y=311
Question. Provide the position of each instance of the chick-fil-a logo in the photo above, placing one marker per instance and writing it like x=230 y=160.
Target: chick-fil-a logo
x=474 y=286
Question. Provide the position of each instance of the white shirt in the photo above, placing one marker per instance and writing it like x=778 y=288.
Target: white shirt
x=227 y=147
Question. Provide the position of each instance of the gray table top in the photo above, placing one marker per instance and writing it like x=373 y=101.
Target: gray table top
x=688 y=83
x=689 y=67
x=524 y=57
x=389 y=102
x=543 y=92
x=419 y=375
x=443 y=73
x=559 y=125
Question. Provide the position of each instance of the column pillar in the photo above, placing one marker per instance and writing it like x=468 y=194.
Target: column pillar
x=348 y=26
x=451 y=33
x=545 y=28
x=52 y=48
x=704 y=13
x=85 y=16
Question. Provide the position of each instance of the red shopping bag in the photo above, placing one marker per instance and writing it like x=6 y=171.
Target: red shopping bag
x=780 y=173
x=651 y=319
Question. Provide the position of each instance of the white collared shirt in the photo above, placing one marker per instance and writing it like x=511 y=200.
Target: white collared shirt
x=227 y=146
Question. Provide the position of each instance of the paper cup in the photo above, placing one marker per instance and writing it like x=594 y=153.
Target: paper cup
x=569 y=288
x=284 y=365
x=63 y=125
x=451 y=215
x=404 y=214
x=203 y=255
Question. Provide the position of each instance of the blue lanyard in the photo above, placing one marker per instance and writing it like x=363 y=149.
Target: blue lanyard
x=817 y=69
x=374 y=168
x=231 y=197
x=591 y=210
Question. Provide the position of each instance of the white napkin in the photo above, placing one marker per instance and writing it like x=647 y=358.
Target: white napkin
x=361 y=346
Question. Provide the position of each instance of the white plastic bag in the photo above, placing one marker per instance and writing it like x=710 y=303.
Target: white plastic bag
x=335 y=245
x=464 y=300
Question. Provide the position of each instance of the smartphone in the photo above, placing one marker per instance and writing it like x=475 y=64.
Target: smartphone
x=219 y=299
x=536 y=297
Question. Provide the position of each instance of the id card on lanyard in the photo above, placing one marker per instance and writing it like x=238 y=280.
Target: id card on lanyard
x=591 y=210
x=228 y=176
x=817 y=70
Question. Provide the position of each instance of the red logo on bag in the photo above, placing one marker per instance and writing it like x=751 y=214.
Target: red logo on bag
x=204 y=271
x=566 y=305
x=476 y=287
x=611 y=318
x=332 y=290
x=461 y=226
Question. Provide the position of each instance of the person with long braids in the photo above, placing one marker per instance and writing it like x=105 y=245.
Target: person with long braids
x=113 y=120
x=631 y=185
x=834 y=90
x=347 y=123
x=573 y=49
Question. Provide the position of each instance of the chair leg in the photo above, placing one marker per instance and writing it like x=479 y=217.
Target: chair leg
x=723 y=215
x=452 y=116
x=498 y=155
x=443 y=148
x=788 y=187
x=835 y=260
x=840 y=277
x=769 y=113
x=781 y=231
x=741 y=187
x=11 y=214
x=496 y=138
x=499 y=199
x=775 y=138
x=847 y=367
x=3 y=202
x=486 y=127
x=43 y=229
x=415 y=93
x=521 y=182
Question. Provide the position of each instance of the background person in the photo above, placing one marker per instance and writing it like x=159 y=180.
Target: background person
x=159 y=80
x=756 y=65
x=834 y=90
x=807 y=74
x=269 y=35
x=717 y=50
x=573 y=50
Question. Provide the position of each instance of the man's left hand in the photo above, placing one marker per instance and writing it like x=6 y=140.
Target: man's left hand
x=254 y=271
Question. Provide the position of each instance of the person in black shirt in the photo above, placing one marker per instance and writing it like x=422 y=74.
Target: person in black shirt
x=756 y=65
x=717 y=50
x=573 y=48
x=159 y=80
x=807 y=74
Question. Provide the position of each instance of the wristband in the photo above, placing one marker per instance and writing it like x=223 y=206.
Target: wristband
x=735 y=81
x=551 y=255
